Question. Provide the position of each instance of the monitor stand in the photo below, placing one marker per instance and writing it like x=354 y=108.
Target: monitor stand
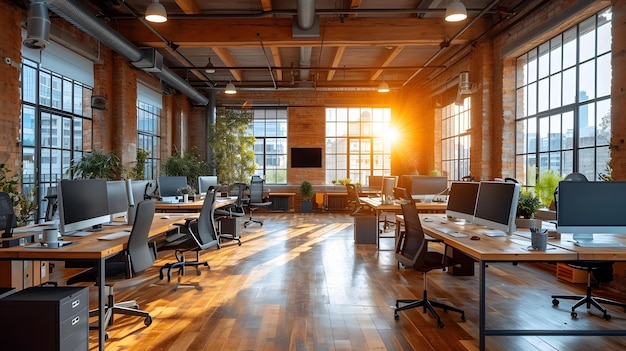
x=578 y=237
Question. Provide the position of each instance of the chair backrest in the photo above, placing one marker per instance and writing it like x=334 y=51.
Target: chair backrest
x=256 y=190
x=402 y=194
x=203 y=230
x=7 y=214
x=241 y=188
x=139 y=252
x=412 y=247
x=353 y=194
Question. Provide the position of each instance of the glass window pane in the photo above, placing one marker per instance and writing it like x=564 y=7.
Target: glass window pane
x=604 y=31
x=586 y=125
x=556 y=56
x=544 y=60
x=570 y=46
x=587 y=81
x=587 y=39
x=569 y=86
x=603 y=75
x=555 y=91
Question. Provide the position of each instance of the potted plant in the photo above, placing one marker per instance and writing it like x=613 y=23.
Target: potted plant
x=527 y=206
x=186 y=191
x=189 y=164
x=96 y=165
x=545 y=186
x=306 y=191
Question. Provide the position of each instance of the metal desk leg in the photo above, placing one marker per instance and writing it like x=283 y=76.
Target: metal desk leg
x=378 y=233
x=481 y=309
x=101 y=303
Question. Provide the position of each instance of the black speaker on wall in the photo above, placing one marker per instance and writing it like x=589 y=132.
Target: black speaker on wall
x=98 y=102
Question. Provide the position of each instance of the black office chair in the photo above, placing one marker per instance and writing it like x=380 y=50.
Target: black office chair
x=231 y=213
x=354 y=203
x=601 y=270
x=256 y=200
x=136 y=258
x=412 y=251
x=8 y=221
x=201 y=236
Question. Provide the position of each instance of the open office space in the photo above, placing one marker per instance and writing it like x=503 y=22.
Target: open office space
x=515 y=89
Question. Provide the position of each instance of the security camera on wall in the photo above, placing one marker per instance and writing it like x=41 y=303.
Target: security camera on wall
x=98 y=102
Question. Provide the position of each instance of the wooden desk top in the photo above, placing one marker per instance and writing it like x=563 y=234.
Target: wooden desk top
x=376 y=204
x=89 y=247
x=194 y=205
x=507 y=248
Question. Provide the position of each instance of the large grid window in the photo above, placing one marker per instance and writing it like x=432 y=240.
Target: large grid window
x=455 y=140
x=564 y=103
x=269 y=128
x=357 y=143
x=148 y=136
x=56 y=126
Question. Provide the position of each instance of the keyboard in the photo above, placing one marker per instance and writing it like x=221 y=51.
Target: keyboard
x=492 y=232
x=114 y=236
x=450 y=231
x=79 y=233
x=598 y=244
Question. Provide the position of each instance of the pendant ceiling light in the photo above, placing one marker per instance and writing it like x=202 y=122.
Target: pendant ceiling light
x=209 y=68
x=230 y=89
x=383 y=87
x=155 y=12
x=456 y=11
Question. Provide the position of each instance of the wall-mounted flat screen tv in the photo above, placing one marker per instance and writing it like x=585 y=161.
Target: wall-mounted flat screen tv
x=306 y=157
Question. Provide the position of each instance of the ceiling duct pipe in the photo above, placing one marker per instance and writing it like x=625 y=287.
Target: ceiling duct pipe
x=88 y=23
x=305 y=62
x=37 y=26
x=306 y=14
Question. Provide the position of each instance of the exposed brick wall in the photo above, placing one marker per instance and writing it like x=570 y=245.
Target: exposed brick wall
x=10 y=43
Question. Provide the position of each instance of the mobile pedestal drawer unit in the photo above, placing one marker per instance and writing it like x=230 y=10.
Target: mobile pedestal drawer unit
x=45 y=318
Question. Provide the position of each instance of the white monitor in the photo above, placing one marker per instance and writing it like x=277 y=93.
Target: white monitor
x=496 y=205
x=204 y=182
x=462 y=200
x=82 y=204
x=118 y=201
x=585 y=208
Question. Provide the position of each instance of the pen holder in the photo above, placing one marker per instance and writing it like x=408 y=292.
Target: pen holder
x=538 y=238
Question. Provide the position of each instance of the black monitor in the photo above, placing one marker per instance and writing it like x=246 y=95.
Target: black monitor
x=427 y=186
x=204 y=182
x=496 y=206
x=585 y=208
x=462 y=200
x=169 y=185
x=118 y=200
x=82 y=204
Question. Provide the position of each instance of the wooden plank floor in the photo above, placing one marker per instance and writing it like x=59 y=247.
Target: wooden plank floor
x=300 y=283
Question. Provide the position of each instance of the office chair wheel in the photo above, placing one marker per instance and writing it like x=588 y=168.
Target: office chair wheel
x=147 y=321
x=555 y=302
x=239 y=243
x=463 y=317
x=396 y=316
x=607 y=316
x=574 y=315
x=440 y=324
x=106 y=336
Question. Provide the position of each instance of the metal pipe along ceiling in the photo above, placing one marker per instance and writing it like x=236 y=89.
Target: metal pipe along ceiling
x=306 y=14
x=91 y=25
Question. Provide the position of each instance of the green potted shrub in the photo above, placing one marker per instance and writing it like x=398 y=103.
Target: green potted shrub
x=306 y=191
x=527 y=206
x=545 y=186
x=189 y=164
x=96 y=165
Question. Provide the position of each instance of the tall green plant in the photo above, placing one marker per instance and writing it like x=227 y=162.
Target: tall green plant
x=24 y=204
x=96 y=165
x=232 y=145
x=138 y=171
x=546 y=184
x=189 y=164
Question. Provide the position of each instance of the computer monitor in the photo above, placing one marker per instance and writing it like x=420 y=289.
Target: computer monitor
x=496 y=206
x=374 y=182
x=82 y=204
x=169 y=185
x=387 y=190
x=426 y=187
x=462 y=200
x=585 y=208
x=204 y=182
x=137 y=191
x=118 y=200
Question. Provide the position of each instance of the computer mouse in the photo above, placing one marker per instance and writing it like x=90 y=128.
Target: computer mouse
x=475 y=237
x=428 y=219
x=165 y=217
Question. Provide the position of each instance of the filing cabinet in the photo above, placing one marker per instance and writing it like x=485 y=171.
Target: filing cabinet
x=45 y=319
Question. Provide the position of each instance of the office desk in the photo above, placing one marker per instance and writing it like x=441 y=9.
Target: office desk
x=514 y=248
x=91 y=249
x=379 y=207
x=192 y=206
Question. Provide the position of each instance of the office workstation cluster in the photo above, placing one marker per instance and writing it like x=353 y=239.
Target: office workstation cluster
x=100 y=225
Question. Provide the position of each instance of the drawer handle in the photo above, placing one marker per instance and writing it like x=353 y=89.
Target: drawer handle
x=75 y=303
x=76 y=320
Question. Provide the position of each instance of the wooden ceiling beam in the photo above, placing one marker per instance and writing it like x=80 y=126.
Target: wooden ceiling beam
x=228 y=60
x=189 y=7
x=336 y=59
x=393 y=53
x=278 y=32
x=277 y=62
